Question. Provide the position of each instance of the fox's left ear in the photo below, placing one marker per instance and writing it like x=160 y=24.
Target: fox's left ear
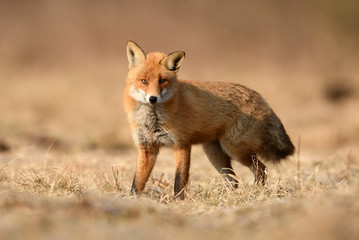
x=173 y=61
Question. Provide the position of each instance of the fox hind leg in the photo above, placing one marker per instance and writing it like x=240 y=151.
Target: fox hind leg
x=220 y=160
x=259 y=170
x=240 y=152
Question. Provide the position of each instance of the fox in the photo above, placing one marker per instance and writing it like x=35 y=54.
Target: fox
x=232 y=122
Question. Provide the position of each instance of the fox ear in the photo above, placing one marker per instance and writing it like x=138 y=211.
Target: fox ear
x=173 y=61
x=135 y=54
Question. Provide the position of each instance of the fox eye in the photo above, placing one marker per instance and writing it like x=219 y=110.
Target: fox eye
x=144 y=81
x=162 y=80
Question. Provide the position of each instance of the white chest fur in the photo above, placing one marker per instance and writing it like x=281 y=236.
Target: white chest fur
x=152 y=128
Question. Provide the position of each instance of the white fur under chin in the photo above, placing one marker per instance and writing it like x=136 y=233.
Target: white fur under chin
x=140 y=96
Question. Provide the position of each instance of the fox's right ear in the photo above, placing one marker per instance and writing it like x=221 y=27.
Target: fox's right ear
x=135 y=54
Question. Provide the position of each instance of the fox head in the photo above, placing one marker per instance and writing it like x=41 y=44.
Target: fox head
x=152 y=78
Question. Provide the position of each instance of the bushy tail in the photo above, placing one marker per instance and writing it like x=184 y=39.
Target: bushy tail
x=277 y=145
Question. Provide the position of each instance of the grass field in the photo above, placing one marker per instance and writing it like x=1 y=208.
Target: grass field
x=66 y=153
x=53 y=195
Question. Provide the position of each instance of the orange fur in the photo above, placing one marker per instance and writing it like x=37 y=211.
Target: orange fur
x=231 y=121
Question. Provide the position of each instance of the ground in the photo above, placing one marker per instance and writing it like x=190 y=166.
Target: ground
x=48 y=194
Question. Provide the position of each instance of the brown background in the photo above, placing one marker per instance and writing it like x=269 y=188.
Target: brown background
x=63 y=64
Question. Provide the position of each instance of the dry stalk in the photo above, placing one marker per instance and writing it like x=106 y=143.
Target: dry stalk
x=115 y=174
x=348 y=163
x=298 y=164
x=3 y=168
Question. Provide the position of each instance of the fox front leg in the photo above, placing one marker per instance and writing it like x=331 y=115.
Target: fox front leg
x=146 y=160
x=182 y=158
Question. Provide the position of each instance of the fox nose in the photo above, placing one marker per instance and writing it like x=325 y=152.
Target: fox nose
x=153 y=99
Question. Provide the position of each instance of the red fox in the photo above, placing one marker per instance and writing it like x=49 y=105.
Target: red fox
x=231 y=121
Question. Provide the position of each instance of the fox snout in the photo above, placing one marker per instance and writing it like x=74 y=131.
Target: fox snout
x=142 y=96
x=153 y=99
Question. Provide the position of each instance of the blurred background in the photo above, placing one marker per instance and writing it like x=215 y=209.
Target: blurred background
x=63 y=65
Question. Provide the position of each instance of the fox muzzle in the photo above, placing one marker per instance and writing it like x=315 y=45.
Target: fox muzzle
x=153 y=99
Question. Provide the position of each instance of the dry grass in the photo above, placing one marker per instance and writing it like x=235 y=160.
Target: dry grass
x=86 y=195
